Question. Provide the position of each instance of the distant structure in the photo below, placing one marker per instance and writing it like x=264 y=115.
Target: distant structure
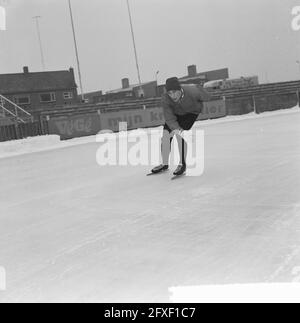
x=225 y=84
x=201 y=78
x=92 y=97
x=197 y=78
x=152 y=89
x=39 y=90
x=126 y=92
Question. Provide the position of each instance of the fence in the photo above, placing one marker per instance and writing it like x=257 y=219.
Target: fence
x=84 y=120
x=23 y=130
x=274 y=102
x=90 y=124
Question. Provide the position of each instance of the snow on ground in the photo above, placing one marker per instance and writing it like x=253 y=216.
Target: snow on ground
x=240 y=293
x=74 y=231
x=29 y=145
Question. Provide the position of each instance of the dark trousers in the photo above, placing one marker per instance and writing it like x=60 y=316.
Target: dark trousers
x=186 y=122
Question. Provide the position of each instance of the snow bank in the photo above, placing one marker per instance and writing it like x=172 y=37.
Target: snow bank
x=43 y=143
x=29 y=145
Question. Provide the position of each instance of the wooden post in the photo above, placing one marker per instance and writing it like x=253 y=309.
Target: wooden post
x=254 y=105
x=48 y=128
x=99 y=114
x=224 y=99
x=17 y=129
x=41 y=121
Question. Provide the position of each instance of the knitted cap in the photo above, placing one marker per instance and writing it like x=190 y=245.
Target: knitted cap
x=172 y=84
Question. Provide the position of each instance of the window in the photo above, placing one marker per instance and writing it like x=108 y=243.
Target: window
x=21 y=100
x=68 y=95
x=48 y=97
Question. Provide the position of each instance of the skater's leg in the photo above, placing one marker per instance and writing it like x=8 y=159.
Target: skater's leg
x=182 y=147
x=166 y=143
x=165 y=151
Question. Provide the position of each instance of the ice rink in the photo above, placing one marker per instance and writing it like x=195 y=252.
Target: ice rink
x=73 y=231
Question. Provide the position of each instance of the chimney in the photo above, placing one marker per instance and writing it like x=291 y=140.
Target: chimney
x=192 y=70
x=25 y=69
x=125 y=83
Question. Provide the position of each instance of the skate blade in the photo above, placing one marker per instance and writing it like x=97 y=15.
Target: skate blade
x=177 y=177
x=153 y=174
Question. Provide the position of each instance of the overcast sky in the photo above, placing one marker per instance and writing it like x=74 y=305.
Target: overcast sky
x=250 y=37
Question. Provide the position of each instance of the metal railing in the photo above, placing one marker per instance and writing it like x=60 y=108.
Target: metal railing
x=12 y=111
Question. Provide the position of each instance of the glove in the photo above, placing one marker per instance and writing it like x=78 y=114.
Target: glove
x=178 y=131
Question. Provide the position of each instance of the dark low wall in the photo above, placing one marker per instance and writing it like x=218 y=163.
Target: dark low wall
x=213 y=110
x=75 y=126
x=87 y=124
x=276 y=102
x=23 y=130
x=240 y=105
x=134 y=118
x=91 y=124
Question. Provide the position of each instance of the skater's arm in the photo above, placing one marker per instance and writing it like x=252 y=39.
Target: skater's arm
x=170 y=118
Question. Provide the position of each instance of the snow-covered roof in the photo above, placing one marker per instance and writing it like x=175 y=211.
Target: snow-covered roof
x=37 y=81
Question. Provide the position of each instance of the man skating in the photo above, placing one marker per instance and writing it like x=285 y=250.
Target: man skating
x=182 y=105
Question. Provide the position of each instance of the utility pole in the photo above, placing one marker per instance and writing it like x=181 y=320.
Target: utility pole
x=134 y=44
x=3 y=5
x=40 y=41
x=156 y=79
x=76 y=51
x=298 y=63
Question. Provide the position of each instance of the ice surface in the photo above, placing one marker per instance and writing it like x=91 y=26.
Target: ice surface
x=240 y=293
x=73 y=231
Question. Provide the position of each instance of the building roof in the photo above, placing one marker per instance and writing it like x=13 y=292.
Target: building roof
x=37 y=82
x=190 y=78
x=93 y=94
x=203 y=74
x=128 y=89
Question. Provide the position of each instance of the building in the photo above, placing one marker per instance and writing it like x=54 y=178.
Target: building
x=137 y=91
x=93 y=97
x=127 y=92
x=39 y=90
x=151 y=89
x=237 y=83
x=197 y=78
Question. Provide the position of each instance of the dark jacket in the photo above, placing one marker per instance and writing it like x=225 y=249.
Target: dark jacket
x=191 y=102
